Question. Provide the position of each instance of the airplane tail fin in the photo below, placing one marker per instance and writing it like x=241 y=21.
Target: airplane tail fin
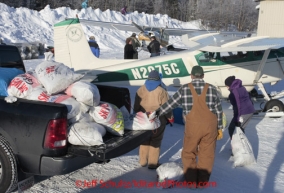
x=72 y=48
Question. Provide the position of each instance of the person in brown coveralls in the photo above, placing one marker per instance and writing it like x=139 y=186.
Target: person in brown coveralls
x=203 y=111
x=149 y=97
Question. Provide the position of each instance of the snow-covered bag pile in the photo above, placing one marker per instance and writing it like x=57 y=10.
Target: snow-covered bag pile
x=86 y=133
x=110 y=116
x=139 y=121
x=55 y=77
x=169 y=173
x=241 y=148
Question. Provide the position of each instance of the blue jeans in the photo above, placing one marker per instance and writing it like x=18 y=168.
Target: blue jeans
x=155 y=54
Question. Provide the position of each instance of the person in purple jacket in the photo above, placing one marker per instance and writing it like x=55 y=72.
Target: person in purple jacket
x=242 y=105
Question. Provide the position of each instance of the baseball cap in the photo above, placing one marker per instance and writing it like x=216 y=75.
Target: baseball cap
x=197 y=71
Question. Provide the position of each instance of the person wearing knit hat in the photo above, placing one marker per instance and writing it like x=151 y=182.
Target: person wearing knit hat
x=229 y=80
x=243 y=107
x=148 y=98
x=135 y=44
x=203 y=114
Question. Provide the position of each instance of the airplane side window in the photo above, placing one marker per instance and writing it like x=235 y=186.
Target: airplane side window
x=229 y=56
x=208 y=57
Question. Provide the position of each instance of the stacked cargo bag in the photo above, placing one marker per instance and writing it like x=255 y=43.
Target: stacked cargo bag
x=55 y=77
x=72 y=105
x=39 y=94
x=86 y=133
x=6 y=76
x=22 y=85
x=110 y=116
x=84 y=92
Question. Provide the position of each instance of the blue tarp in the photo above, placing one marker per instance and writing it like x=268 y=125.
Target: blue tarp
x=6 y=75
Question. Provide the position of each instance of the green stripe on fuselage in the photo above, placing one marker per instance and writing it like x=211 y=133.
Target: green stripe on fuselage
x=67 y=22
x=170 y=69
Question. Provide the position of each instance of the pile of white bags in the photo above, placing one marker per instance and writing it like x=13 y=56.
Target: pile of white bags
x=169 y=173
x=241 y=148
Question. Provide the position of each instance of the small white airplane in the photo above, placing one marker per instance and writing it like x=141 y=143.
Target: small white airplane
x=254 y=60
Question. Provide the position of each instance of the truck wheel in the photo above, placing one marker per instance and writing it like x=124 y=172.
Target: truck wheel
x=8 y=167
x=275 y=105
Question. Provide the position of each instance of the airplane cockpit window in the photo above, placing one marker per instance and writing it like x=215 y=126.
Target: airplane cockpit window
x=208 y=57
x=229 y=56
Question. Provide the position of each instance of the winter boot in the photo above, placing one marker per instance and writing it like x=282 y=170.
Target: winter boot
x=153 y=159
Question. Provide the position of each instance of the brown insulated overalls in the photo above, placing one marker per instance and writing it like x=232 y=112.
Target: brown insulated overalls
x=199 y=139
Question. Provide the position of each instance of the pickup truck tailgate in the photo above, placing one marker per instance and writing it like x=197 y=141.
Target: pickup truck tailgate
x=114 y=145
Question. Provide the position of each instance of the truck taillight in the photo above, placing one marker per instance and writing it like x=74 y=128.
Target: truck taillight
x=56 y=134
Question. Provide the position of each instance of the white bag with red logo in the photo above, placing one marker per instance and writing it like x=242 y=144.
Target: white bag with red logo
x=110 y=116
x=86 y=133
x=22 y=85
x=141 y=121
x=55 y=77
x=39 y=94
x=72 y=105
x=84 y=92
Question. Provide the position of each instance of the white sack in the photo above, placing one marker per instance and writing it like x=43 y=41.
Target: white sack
x=140 y=121
x=22 y=85
x=39 y=94
x=109 y=115
x=84 y=92
x=86 y=133
x=55 y=77
x=168 y=173
x=72 y=105
x=242 y=150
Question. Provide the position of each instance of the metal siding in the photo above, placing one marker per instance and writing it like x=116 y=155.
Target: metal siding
x=271 y=22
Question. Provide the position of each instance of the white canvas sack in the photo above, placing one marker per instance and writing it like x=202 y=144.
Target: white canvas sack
x=84 y=92
x=22 y=85
x=141 y=121
x=168 y=173
x=241 y=148
x=72 y=105
x=39 y=94
x=55 y=77
x=110 y=116
x=86 y=133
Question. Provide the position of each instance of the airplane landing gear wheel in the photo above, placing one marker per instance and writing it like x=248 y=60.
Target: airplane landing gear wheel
x=274 y=105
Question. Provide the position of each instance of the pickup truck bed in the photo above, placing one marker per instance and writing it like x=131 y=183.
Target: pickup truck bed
x=23 y=128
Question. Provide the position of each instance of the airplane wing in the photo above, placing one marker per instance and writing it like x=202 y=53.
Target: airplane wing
x=111 y=25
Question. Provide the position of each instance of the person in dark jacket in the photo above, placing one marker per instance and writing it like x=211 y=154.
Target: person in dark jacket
x=94 y=46
x=242 y=105
x=128 y=49
x=123 y=10
x=136 y=44
x=154 y=47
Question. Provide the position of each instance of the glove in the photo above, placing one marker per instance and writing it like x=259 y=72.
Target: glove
x=171 y=121
x=238 y=124
x=220 y=134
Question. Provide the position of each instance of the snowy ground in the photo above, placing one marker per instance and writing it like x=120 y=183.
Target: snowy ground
x=265 y=134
